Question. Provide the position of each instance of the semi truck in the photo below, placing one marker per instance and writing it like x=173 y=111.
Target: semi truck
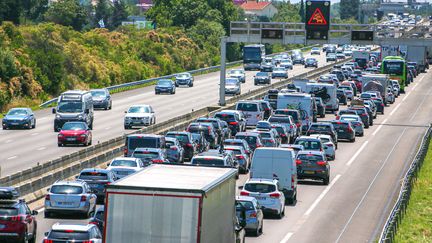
x=418 y=54
x=172 y=203
x=376 y=82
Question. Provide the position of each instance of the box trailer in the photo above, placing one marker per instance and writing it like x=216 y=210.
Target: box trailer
x=376 y=82
x=417 y=54
x=172 y=203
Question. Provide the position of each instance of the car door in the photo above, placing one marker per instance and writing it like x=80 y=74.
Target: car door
x=30 y=219
x=92 y=196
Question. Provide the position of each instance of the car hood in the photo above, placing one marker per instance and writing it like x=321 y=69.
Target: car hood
x=182 y=78
x=15 y=117
x=137 y=115
x=99 y=98
x=231 y=86
x=261 y=77
x=163 y=86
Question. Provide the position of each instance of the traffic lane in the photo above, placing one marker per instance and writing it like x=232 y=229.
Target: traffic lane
x=109 y=124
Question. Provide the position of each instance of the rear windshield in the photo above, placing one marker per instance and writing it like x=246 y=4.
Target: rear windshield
x=198 y=129
x=235 y=151
x=262 y=188
x=66 y=189
x=249 y=139
x=360 y=111
x=142 y=142
x=280 y=130
x=208 y=161
x=170 y=143
x=93 y=175
x=8 y=212
x=309 y=157
x=265 y=135
x=145 y=155
x=233 y=143
x=268 y=142
x=225 y=117
x=62 y=235
x=347 y=112
x=183 y=138
x=309 y=144
x=247 y=107
x=320 y=127
x=272 y=96
x=275 y=119
x=340 y=125
x=246 y=205
x=128 y=163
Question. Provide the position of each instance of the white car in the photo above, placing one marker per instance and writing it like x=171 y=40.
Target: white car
x=139 y=115
x=286 y=63
x=328 y=144
x=67 y=232
x=124 y=166
x=237 y=73
x=315 y=51
x=279 y=72
x=268 y=193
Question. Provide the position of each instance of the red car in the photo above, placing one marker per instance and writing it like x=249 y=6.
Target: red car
x=17 y=222
x=75 y=133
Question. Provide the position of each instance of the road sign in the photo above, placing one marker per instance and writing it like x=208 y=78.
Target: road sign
x=271 y=34
x=362 y=35
x=317 y=19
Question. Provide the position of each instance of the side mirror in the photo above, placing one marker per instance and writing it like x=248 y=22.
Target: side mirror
x=48 y=189
x=46 y=233
x=76 y=177
x=108 y=164
x=53 y=110
x=92 y=214
x=34 y=212
x=87 y=111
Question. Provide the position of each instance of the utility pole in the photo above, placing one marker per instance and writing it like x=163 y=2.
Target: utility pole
x=222 y=72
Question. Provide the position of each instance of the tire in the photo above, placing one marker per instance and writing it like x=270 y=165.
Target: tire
x=47 y=214
x=352 y=140
x=282 y=213
x=255 y=84
x=154 y=120
x=4 y=127
x=29 y=125
x=91 y=125
x=33 y=239
x=126 y=127
x=90 y=142
x=60 y=144
x=326 y=181
x=156 y=93
x=34 y=124
x=110 y=106
x=191 y=84
x=256 y=232
x=361 y=135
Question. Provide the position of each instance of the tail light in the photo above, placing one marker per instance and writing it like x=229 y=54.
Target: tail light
x=330 y=145
x=17 y=218
x=189 y=145
x=275 y=195
x=243 y=193
x=291 y=126
x=267 y=109
x=364 y=114
x=349 y=129
x=83 y=198
x=240 y=156
x=252 y=215
x=258 y=145
x=298 y=162
x=321 y=163
x=125 y=151
x=298 y=124
x=88 y=241
x=174 y=148
x=337 y=117
x=233 y=123
x=47 y=197
x=93 y=222
x=382 y=104
x=157 y=161
x=47 y=241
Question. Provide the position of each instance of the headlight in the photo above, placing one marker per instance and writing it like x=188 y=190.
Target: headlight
x=80 y=117
x=83 y=135
x=57 y=116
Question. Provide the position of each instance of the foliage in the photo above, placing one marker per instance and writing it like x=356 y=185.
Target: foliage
x=302 y=11
x=349 y=9
x=67 y=13
x=11 y=10
x=119 y=13
x=287 y=12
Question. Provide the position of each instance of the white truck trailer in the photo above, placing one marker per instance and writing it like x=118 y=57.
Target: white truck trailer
x=301 y=102
x=417 y=54
x=327 y=92
x=172 y=203
x=376 y=82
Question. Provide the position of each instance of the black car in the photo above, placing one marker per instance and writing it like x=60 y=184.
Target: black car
x=98 y=218
x=363 y=114
x=341 y=96
x=220 y=131
x=344 y=130
x=379 y=104
x=320 y=106
x=266 y=66
x=262 y=78
x=313 y=165
x=187 y=142
x=235 y=123
x=165 y=86
x=184 y=79
x=283 y=133
x=311 y=62
x=207 y=129
x=323 y=128
x=97 y=179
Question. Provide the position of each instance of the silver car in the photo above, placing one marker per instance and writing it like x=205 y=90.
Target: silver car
x=175 y=153
x=239 y=74
x=279 y=72
x=124 y=166
x=70 y=197
x=232 y=86
x=356 y=122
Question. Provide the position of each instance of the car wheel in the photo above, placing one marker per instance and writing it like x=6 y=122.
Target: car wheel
x=154 y=120
x=5 y=128
x=47 y=214
x=191 y=84
x=33 y=239
x=34 y=124
x=90 y=142
x=91 y=125
x=326 y=180
x=29 y=125
x=60 y=144
x=352 y=140
x=156 y=93
x=262 y=227
x=282 y=213
x=255 y=84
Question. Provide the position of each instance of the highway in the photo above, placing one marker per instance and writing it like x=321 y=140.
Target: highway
x=364 y=179
x=21 y=149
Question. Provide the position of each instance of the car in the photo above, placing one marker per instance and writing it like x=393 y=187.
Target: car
x=310 y=143
x=356 y=122
x=287 y=64
x=283 y=133
x=134 y=141
x=390 y=96
x=72 y=197
x=344 y=130
x=313 y=165
x=19 y=117
x=74 y=133
x=270 y=135
x=363 y=114
x=98 y=218
x=97 y=179
x=349 y=92
x=101 y=98
x=268 y=193
x=396 y=87
x=150 y=155
x=200 y=140
x=186 y=140
x=352 y=84
x=215 y=158
x=242 y=157
x=266 y=106
x=253 y=139
x=321 y=107
x=288 y=122
x=175 y=152
x=311 y=62
x=124 y=166
x=339 y=74
x=379 y=104
x=252 y=110
x=267 y=66
x=221 y=132
x=238 y=74
x=239 y=142
x=139 y=115
x=279 y=72
x=262 y=78
x=68 y=232
x=323 y=128
x=331 y=57
x=18 y=222
x=165 y=86
x=254 y=214
x=264 y=125
x=208 y=130
x=329 y=145
x=232 y=86
x=340 y=56
x=235 y=119
x=371 y=105
x=184 y=79
x=297 y=58
x=315 y=51
x=295 y=114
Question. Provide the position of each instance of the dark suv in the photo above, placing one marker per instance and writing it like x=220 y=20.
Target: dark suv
x=187 y=141
x=235 y=123
x=17 y=221
x=134 y=141
x=313 y=165
x=220 y=131
x=97 y=179
x=207 y=129
x=363 y=114
x=295 y=114
x=344 y=130
x=323 y=128
x=253 y=139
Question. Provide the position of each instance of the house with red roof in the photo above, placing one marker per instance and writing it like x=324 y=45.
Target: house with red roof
x=259 y=8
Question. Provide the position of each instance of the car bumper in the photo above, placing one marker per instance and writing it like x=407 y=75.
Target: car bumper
x=15 y=123
x=262 y=81
x=252 y=66
x=315 y=175
x=276 y=75
x=231 y=91
x=100 y=104
x=65 y=210
x=164 y=91
x=132 y=123
x=78 y=140
x=183 y=82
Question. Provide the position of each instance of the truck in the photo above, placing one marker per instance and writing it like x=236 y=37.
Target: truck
x=361 y=57
x=300 y=101
x=417 y=54
x=172 y=203
x=253 y=55
x=327 y=92
x=301 y=83
x=376 y=82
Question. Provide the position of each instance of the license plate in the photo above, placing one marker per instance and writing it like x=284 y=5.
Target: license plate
x=65 y=203
x=70 y=139
x=14 y=123
x=341 y=130
x=261 y=198
x=309 y=172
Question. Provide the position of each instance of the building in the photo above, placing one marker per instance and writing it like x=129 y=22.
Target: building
x=259 y=9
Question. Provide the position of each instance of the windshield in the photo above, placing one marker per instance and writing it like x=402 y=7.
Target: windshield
x=142 y=142
x=139 y=109
x=128 y=163
x=164 y=83
x=310 y=60
x=261 y=188
x=281 y=119
x=247 y=107
x=66 y=189
x=225 y=117
x=70 y=107
x=74 y=126
x=208 y=161
x=309 y=144
x=73 y=236
x=98 y=93
x=249 y=139
x=393 y=67
x=252 y=54
x=262 y=74
x=247 y=205
x=183 y=75
x=17 y=112
x=230 y=81
x=93 y=175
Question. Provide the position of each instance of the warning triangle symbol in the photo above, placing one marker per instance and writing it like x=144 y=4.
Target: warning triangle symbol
x=317 y=18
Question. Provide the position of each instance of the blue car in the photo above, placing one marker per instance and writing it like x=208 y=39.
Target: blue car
x=254 y=214
x=19 y=118
x=165 y=86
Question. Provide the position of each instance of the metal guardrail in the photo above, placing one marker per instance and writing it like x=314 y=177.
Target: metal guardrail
x=150 y=80
x=388 y=232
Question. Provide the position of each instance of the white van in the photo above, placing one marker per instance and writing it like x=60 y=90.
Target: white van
x=298 y=101
x=253 y=111
x=277 y=163
x=327 y=92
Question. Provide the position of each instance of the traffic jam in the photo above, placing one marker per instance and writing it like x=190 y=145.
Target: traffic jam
x=289 y=136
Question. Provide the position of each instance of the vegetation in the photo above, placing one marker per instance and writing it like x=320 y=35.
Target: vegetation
x=416 y=223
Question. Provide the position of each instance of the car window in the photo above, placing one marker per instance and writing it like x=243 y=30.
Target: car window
x=74 y=126
x=128 y=163
x=142 y=142
x=139 y=109
x=145 y=154
x=309 y=157
x=235 y=151
x=17 y=112
x=93 y=175
x=265 y=135
x=248 y=205
x=247 y=107
x=208 y=161
x=249 y=139
x=98 y=93
x=68 y=235
x=309 y=144
x=340 y=125
x=8 y=211
x=66 y=189
x=182 y=138
x=257 y=187
x=275 y=119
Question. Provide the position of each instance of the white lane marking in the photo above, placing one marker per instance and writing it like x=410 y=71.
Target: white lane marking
x=406 y=96
x=41 y=148
x=379 y=127
x=395 y=109
x=321 y=196
x=421 y=104
x=357 y=153
x=370 y=185
x=12 y=157
x=287 y=237
x=414 y=87
x=34 y=134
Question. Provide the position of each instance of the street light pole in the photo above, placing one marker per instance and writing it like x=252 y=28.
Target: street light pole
x=222 y=72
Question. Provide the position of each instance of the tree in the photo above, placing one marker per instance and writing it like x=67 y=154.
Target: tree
x=35 y=9
x=119 y=13
x=349 y=9
x=103 y=12
x=287 y=12
x=11 y=10
x=302 y=11
x=68 y=13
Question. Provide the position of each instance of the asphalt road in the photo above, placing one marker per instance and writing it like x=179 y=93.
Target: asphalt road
x=21 y=149
x=365 y=178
